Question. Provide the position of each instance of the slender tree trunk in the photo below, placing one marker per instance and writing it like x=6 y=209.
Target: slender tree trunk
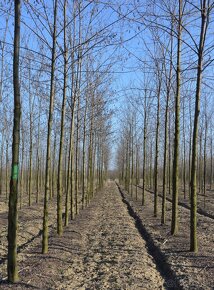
x=205 y=160
x=27 y=175
x=7 y=162
x=38 y=176
x=48 y=153
x=12 y=268
x=163 y=213
x=1 y=169
x=90 y=153
x=77 y=160
x=190 y=148
x=150 y=167
x=94 y=150
x=84 y=153
x=132 y=156
x=22 y=170
x=136 y=168
x=144 y=150
x=184 y=153
x=174 y=223
x=169 y=156
x=61 y=144
x=157 y=154
x=77 y=134
x=200 y=185
x=127 y=166
x=71 y=158
x=31 y=145
x=193 y=211
x=54 y=165
x=68 y=186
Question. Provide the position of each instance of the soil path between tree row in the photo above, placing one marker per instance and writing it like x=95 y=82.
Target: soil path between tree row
x=100 y=249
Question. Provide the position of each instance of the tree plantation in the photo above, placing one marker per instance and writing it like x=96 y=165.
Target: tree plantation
x=106 y=144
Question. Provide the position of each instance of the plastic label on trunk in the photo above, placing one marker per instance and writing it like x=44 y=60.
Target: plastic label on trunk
x=15 y=172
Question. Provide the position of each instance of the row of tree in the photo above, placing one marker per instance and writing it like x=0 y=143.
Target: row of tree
x=161 y=128
x=61 y=82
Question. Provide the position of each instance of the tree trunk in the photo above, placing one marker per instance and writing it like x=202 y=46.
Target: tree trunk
x=38 y=175
x=200 y=186
x=7 y=162
x=144 y=149
x=48 y=152
x=190 y=148
x=136 y=168
x=1 y=164
x=150 y=167
x=31 y=143
x=169 y=155
x=184 y=153
x=22 y=170
x=205 y=160
x=54 y=165
x=174 y=223
x=12 y=268
x=84 y=153
x=132 y=155
x=163 y=213
x=193 y=211
x=61 y=144
x=67 y=185
x=157 y=154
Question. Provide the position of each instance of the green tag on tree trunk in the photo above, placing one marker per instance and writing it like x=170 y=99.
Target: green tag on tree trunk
x=15 y=172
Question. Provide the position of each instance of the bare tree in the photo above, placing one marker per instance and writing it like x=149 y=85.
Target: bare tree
x=12 y=268
x=205 y=11
x=48 y=154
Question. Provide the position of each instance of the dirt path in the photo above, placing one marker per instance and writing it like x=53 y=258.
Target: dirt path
x=101 y=249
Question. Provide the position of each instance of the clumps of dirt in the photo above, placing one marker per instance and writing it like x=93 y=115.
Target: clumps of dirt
x=100 y=249
x=193 y=271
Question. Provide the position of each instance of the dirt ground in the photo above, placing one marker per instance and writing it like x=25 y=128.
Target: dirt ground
x=194 y=271
x=205 y=202
x=100 y=249
x=30 y=225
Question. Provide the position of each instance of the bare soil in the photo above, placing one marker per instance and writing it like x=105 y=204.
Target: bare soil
x=100 y=249
x=30 y=225
x=205 y=202
x=193 y=271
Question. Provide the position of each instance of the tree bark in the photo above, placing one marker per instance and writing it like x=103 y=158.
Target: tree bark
x=48 y=153
x=174 y=223
x=61 y=144
x=157 y=153
x=144 y=149
x=193 y=211
x=12 y=268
